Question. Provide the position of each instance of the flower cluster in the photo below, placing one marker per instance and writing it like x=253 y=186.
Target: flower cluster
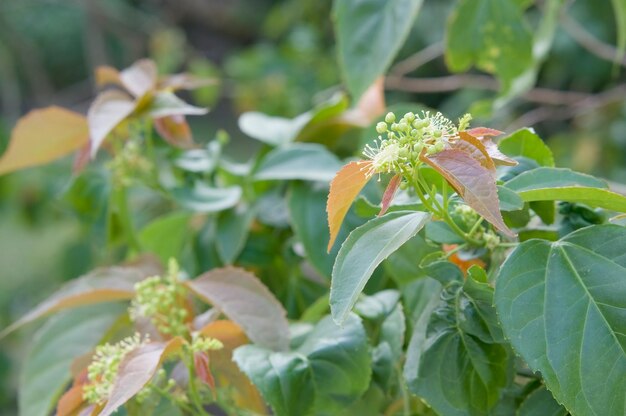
x=130 y=165
x=163 y=300
x=408 y=138
x=103 y=369
x=469 y=217
x=201 y=343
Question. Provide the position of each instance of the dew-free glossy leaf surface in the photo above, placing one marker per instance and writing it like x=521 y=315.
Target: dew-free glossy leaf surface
x=526 y=143
x=563 y=307
x=246 y=301
x=364 y=249
x=305 y=161
x=42 y=136
x=344 y=188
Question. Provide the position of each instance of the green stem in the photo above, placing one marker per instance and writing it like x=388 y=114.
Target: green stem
x=193 y=389
x=119 y=198
x=475 y=226
x=168 y=396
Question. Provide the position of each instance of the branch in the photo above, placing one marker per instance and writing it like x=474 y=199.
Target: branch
x=418 y=59
x=590 y=42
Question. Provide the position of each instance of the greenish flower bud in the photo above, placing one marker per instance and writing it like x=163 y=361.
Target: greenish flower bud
x=409 y=117
x=381 y=127
x=403 y=126
x=394 y=126
x=439 y=146
x=437 y=133
x=414 y=132
x=430 y=149
x=390 y=117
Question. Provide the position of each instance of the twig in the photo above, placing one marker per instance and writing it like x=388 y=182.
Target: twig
x=418 y=59
x=590 y=42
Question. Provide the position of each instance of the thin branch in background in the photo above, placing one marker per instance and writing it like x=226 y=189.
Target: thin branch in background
x=590 y=42
x=418 y=59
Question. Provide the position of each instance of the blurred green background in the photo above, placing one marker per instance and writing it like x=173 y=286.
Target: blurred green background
x=276 y=57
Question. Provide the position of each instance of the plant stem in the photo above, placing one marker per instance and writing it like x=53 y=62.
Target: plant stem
x=119 y=199
x=193 y=390
x=168 y=396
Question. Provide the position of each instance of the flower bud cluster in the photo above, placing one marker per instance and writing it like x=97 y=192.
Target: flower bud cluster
x=162 y=299
x=407 y=138
x=469 y=217
x=201 y=343
x=103 y=369
x=130 y=165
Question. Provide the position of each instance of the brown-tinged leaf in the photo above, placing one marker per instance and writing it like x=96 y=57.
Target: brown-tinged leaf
x=185 y=81
x=244 y=299
x=370 y=106
x=81 y=159
x=392 y=187
x=137 y=369
x=483 y=134
x=107 y=75
x=42 y=136
x=101 y=285
x=203 y=371
x=472 y=146
x=344 y=188
x=108 y=110
x=472 y=181
x=71 y=401
x=140 y=78
x=227 y=373
x=174 y=130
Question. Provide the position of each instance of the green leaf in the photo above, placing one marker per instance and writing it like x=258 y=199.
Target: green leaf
x=275 y=131
x=326 y=373
x=56 y=345
x=440 y=232
x=526 y=143
x=492 y=35
x=404 y=264
x=306 y=161
x=203 y=198
x=455 y=363
x=364 y=249
x=619 y=8
x=554 y=184
x=166 y=235
x=167 y=104
x=369 y=35
x=541 y=403
x=232 y=231
x=561 y=304
x=509 y=200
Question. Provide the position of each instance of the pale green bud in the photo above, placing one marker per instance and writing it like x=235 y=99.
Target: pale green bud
x=381 y=127
x=390 y=117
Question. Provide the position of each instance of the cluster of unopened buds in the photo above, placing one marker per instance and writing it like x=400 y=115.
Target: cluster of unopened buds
x=408 y=138
x=489 y=239
x=162 y=300
x=130 y=165
x=104 y=367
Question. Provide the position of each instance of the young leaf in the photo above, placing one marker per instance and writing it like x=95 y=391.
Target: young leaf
x=473 y=182
x=108 y=110
x=364 y=249
x=315 y=378
x=137 y=369
x=476 y=149
x=344 y=188
x=392 y=187
x=305 y=161
x=55 y=346
x=580 y=353
x=174 y=130
x=245 y=300
x=139 y=78
x=166 y=104
x=369 y=35
x=202 y=198
x=483 y=134
x=42 y=136
x=100 y=285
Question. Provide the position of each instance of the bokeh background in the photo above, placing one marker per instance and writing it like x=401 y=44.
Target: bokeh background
x=272 y=56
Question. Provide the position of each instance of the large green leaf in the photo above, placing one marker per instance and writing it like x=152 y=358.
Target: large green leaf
x=456 y=361
x=541 y=403
x=275 y=131
x=563 y=307
x=364 y=249
x=62 y=339
x=232 y=231
x=306 y=161
x=166 y=235
x=554 y=184
x=326 y=373
x=526 y=143
x=203 y=198
x=492 y=35
x=369 y=35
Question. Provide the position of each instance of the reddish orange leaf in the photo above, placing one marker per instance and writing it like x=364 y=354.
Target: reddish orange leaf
x=482 y=134
x=174 y=130
x=107 y=75
x=242 y=297
x=344 y=188
x=371 y=104
x=464 y=265
x=472 y=146
x=137 y=369
x=201 y=364
x=472 y=181
x=108 y=110
x=483 y=131
x=71 y=401
x=394 y=183
x=42 y=136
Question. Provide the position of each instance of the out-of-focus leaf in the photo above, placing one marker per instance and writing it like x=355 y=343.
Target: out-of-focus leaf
x=474 y=183
x=140 y=77
x=501 y=42
x=165 y=104
x=369 y=35
x=390 y=191
x=275 y=131
x=62 y=339
x=580 y=353
x=364 y=249
x=101 y=285
x=42 y=136
x=166 y=235
x=174 y=130
x=305 y=161
x=619 y=8
x=203 y=198
x=326 y=373
x=136 y=370
x=88 y=194
x=344 y=188
x=246 y=301
x=526 y=143
x=108 y=110
x=232 y=231
x=541 y=403
x=107 y=75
